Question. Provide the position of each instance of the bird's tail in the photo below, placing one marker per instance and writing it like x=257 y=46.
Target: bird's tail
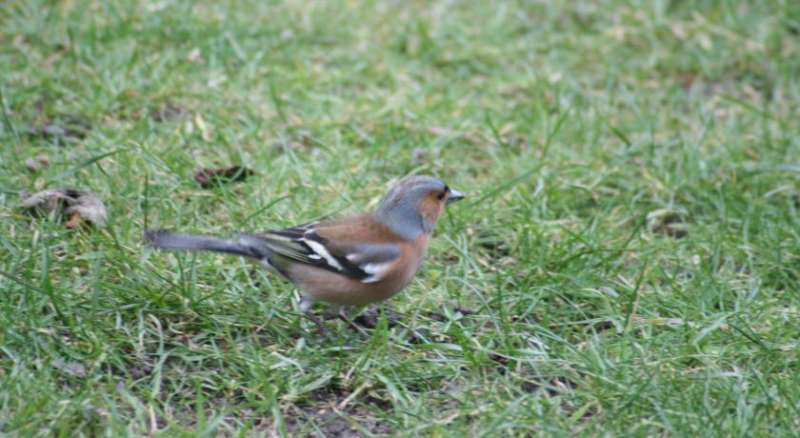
x=246 y=245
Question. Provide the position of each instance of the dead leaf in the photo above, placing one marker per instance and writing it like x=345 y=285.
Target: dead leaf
x=74 y=369
x=208 y=178
x=38 y=162
x=74 y=221
x=667 y=221
x=79 y=206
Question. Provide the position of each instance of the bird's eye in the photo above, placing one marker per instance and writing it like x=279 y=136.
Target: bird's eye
x=440 y=196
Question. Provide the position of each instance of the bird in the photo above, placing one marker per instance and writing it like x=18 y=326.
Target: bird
x=347 y=262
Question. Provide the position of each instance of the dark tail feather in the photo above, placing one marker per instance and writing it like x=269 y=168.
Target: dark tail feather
x=243 y=245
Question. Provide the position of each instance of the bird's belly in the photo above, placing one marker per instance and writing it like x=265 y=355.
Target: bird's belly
x=323 y=285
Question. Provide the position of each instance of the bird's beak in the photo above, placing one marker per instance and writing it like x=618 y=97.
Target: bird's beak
x=454 y=196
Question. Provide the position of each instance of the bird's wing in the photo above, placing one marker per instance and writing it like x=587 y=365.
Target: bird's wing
x=330 y=246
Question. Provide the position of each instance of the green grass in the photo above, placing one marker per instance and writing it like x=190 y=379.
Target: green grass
x=565 y=122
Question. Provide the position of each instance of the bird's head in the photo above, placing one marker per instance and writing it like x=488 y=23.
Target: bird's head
x=414 y=204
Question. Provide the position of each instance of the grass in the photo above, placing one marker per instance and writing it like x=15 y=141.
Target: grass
x=567 y=123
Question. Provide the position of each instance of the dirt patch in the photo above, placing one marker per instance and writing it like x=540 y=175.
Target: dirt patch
x=440 y=317
x=208 y=178
x=602 y=326
x=370 y=318
x=62 y=130
x=552 y=386
x=168 y=112
x=494 y=247
x=335 y=412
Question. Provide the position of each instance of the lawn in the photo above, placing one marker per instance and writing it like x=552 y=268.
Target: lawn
x=627 y=260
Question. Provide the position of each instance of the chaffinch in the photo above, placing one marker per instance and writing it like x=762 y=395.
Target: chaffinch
x=350 y=261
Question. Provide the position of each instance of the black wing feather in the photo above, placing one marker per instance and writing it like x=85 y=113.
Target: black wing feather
x=295 y=243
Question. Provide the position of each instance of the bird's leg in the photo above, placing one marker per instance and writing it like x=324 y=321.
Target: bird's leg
x=371 y=317
x=331 y=312
x=306 y=304
x=342 y=314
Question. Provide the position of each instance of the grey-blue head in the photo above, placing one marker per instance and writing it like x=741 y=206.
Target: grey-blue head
x=414 y=204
